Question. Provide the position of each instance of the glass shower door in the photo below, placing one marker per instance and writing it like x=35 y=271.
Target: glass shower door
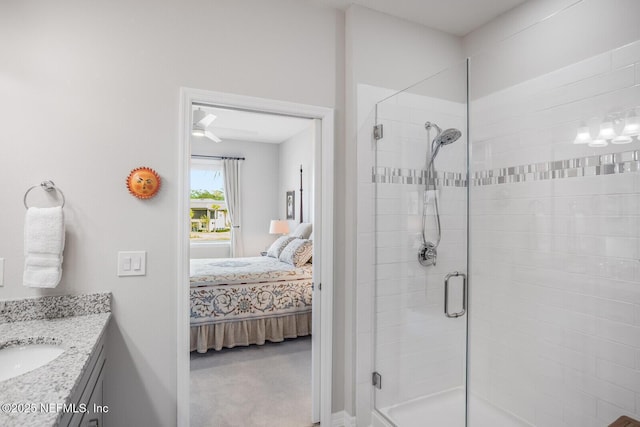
x=420 y=178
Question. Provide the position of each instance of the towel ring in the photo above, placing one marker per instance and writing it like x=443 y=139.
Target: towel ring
x=47 y=186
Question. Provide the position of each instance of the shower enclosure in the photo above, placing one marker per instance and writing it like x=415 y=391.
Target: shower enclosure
x=421 y=199
x=507 y=274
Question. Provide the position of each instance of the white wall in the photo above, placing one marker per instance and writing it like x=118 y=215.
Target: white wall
x=260 y=176
x=578 y=31
x=555 y=326
x=392 y=53
x=297 y=150
x=554 y=271
x=384 y=52
x=90 y=91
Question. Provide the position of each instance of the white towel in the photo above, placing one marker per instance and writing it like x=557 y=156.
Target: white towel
x=44 y=239
x=41 y=272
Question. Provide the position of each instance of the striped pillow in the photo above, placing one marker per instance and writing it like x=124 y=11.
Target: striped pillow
x=276 y=248
x=297 y=253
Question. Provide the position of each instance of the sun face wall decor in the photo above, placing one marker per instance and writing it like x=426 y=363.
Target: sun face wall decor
x=143 y=183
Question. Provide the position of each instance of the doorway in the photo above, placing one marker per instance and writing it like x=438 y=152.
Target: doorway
x=321 y=184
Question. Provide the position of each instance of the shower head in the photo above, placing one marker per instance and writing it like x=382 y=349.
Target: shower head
x=447 y=137
x=444 y=137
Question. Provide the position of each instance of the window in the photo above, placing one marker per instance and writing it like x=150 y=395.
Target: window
x=210 y=221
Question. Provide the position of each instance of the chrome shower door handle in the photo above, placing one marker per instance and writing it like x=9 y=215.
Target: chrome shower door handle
x=446 y=294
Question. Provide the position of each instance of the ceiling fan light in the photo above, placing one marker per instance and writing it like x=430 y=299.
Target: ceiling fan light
x=203 y=118
x=198 y=130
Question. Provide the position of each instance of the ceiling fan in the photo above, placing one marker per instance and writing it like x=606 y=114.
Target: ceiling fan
x=201 y=120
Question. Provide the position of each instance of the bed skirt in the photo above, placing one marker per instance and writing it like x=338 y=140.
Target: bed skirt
x=246 y=332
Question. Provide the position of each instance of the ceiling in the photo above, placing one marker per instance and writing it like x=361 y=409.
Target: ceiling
x=457 y=17
x=254 y=127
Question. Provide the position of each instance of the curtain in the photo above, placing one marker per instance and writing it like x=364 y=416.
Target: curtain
x=232 y=194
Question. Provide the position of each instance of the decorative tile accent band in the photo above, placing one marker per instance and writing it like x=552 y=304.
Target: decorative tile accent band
x=53 y=307
x=384 y=175
x=604 y=164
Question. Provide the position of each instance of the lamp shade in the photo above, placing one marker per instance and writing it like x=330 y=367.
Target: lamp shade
x=583 y=136
x=606 y=130
x=631 y=126
x=278 y=226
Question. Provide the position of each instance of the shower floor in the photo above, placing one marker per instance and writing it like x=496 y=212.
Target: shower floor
x=447 y=409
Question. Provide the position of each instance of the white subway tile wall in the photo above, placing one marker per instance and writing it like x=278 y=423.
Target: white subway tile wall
x=555 y=269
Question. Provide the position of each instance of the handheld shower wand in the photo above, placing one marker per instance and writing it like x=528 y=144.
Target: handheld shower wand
x=428 y=251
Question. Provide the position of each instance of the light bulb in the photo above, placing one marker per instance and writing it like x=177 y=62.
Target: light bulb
x=607 y=131
x=583 y=136
x=632 y=126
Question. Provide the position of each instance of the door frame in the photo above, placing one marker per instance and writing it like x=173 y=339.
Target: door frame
x=323 y=226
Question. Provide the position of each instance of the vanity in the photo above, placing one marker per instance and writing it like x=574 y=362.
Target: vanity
x=52 y=360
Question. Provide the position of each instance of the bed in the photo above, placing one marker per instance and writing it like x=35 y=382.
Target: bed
x=243 y=301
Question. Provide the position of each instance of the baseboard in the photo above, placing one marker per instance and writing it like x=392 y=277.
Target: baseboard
x=342 y=419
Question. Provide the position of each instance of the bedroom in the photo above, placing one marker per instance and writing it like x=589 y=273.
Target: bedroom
x=243 y=290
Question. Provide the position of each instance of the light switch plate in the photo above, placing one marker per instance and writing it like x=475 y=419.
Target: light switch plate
x=132 y=263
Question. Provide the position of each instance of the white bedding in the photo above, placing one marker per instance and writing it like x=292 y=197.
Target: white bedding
x=212 y=271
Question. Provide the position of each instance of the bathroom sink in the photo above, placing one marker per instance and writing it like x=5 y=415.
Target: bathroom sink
x=23 y=358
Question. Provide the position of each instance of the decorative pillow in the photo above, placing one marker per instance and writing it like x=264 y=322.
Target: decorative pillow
x=276 y=248
x=302 y=231
x=297 y=252
x=311 y=238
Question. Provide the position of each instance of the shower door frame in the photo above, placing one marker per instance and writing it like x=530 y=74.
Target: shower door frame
x=379 y=417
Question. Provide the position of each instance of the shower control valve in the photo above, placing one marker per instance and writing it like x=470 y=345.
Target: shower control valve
x=427 y=254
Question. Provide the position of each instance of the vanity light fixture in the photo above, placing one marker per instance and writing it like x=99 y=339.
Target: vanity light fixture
x=615 y=128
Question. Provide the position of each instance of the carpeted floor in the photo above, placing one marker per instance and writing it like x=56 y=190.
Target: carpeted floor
x=255 y=386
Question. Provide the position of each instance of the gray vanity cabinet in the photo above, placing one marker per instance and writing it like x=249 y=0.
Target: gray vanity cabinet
x=95 y=410
x=88 y=395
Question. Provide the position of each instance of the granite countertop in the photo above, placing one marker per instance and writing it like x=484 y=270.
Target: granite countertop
x=43 y=391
